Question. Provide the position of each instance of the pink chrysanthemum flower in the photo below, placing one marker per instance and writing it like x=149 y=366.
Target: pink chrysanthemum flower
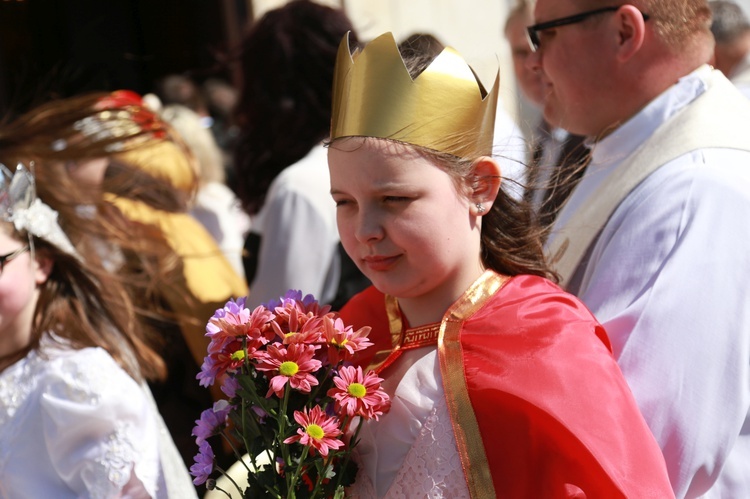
x=358 y=394
x=234 y=320
x=226 y=354
x=293 y=364
x=304 y=310
x=317 y=430
x=227 y=329
x=299 y=329
x=342 y=340
x=293 y=298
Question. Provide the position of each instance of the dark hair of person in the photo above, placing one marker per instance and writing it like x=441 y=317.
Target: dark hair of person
x=284 y=109
x=53 y=129
x=420 y=45
x=109 y=297
x=181 y=89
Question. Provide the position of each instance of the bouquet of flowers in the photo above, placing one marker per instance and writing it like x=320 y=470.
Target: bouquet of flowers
x=292 y=397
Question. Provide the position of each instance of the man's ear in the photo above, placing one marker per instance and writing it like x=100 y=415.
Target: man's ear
x=631 y=31
x=485 y=184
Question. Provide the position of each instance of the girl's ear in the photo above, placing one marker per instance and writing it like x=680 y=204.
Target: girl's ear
x=44 y=266
x=485 y=185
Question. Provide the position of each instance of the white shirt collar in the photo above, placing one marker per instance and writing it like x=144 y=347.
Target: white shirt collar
x=611 y=151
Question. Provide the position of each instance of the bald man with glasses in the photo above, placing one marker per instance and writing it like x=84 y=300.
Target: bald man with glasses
x=654 y=238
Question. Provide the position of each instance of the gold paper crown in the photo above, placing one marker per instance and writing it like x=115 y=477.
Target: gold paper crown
x=442 y=109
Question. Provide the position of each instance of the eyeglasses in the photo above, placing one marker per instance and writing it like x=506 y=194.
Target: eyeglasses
x=10 y=256
x=532 y=32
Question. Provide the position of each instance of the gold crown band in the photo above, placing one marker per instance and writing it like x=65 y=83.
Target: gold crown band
x=442 y=109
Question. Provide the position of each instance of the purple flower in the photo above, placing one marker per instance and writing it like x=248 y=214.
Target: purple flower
x=204 y=463
x=233 y=307
x=259 y=412
x=211 y=422
x=208 y=373
x=230 y=387
x=293 y=296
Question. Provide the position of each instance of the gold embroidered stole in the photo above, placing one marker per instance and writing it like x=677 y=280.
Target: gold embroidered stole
x=446 y=336
x=402 y=340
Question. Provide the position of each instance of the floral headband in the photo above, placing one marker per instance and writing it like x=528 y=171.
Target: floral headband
x=19 y=205
x=121 y=114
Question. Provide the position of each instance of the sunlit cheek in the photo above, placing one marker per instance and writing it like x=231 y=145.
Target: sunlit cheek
x=346 y=227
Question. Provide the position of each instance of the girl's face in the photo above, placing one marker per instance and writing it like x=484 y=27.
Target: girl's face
x=18 y=294
x=403 y=221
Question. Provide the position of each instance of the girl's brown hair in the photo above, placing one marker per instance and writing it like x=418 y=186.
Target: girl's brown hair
x=511 y=238
x=97 y=125
x=86 y=306
x=114 y=296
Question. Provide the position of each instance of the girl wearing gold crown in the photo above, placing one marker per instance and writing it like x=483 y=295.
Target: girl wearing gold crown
x=502 y=385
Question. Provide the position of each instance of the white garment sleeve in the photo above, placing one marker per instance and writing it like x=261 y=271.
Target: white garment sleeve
x=668 y=278
x=99 y=429
x=297 y=249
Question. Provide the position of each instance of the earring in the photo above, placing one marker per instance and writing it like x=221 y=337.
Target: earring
x=480 y=208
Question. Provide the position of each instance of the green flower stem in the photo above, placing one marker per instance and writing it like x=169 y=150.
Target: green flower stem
x=246 y=371
x=352 y=442
x=245 y=368
x=321 y=476
x=223 y=472
x=327 y=462
x=237 y=453
x=282 y=431
x=345 y=422
x=246 y=406
x=269 y=449
x=320 y=385
x=295 y=477
x=269 y=442
x=225 y=492
x=258 y=400
x=242 y=493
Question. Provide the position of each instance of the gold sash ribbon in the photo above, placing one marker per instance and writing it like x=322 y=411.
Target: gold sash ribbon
x=418 y=337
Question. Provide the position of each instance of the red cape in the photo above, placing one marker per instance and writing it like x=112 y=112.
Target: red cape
x=550 y=414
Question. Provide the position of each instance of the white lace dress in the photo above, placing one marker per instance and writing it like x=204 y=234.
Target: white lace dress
x=411 y=452
x=73 y=424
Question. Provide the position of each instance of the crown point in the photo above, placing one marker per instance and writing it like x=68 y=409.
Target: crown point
x=442 y=109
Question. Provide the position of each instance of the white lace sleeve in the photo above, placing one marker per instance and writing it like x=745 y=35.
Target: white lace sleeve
x=99 y=429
